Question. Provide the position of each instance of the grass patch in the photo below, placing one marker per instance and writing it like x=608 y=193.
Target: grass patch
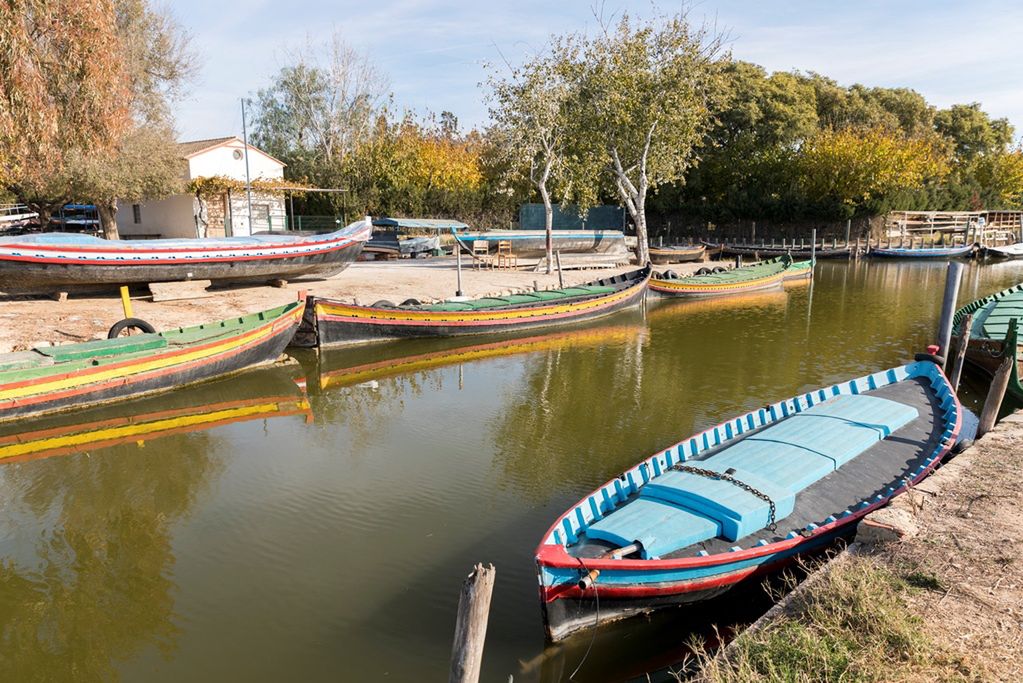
x=851 y=625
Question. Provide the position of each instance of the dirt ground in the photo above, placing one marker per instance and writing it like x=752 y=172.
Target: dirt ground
x=27 y=322
x=970 y=541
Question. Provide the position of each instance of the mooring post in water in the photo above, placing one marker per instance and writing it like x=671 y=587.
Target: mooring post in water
x=848 y=230
x=813 y=251
x=471 y=625
x=458 y=268
x=561 y=278
x=964 y=341
x=993 y=402
x=948 y=306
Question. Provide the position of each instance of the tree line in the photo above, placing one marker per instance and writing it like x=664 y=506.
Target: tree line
x=651 y=114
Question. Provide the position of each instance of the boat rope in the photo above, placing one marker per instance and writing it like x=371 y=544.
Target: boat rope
x=725 y=476
x=596 y=623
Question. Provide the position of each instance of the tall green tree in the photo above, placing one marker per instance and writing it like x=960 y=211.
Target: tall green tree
x=647 y=95
x=533 y=108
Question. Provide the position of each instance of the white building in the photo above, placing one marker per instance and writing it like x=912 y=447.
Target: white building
x=228 y=214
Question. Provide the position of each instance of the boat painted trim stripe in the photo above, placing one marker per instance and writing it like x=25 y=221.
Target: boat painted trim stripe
x=683 y=287
x=333 y=312
x=32 y=391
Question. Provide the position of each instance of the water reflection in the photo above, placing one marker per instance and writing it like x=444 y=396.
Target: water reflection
x=206 y=534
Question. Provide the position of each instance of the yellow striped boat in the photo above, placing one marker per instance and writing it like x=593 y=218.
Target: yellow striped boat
x=766 y=275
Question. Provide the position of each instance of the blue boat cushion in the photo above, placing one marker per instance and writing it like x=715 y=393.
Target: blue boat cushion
x=678 y=509
x=803 y=448
x=661 y=527
x=738 y=511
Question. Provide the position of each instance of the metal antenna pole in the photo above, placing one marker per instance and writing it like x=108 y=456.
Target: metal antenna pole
x=248 y=183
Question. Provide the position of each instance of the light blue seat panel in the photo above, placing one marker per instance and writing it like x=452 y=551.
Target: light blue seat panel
x=678 y=509
x=738 y=511
x=808 y=446
x=661 y=527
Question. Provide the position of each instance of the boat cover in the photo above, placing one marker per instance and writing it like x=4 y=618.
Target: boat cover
x=680 y=508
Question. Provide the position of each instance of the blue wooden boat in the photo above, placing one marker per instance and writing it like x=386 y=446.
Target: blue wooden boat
x=745 y=497
x=924 y=252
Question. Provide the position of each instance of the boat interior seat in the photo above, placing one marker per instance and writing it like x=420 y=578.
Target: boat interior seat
x=992 y=322
x=102 y=347
x=738 y=511
x=678 y=509
x=659 y=526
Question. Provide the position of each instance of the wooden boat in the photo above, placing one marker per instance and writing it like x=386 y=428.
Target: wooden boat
x=745 y=497
x=329 y=322
x=923 y=252
x=766 y=275
x=50 y=262
x=767 y=251
x=994 y=334
x=1009 y=251
x=677 y=254
x=534 y=242
x=258 y=395
x=54 y=378
x=799 y=270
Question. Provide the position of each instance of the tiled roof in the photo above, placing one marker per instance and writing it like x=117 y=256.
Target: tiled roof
x=191 y=147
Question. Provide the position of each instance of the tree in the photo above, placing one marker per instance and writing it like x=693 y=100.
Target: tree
x=61 y=89
x=532 y=108
x=647 y=93
x=972 y=131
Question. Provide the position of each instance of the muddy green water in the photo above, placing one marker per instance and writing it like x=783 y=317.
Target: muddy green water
x=235 y=532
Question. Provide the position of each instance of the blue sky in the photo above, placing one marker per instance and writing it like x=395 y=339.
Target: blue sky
x=432 y=51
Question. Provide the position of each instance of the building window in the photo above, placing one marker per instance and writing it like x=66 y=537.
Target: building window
x=136 y=212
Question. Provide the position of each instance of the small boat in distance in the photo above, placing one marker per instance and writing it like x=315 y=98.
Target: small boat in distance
x=51 y=262
x=738 y=500
x=994 y=334
x=722 y=282
x=1009 y=251
x=68 y=376
x=923 y=252
x=328 y=322
x=682 y=253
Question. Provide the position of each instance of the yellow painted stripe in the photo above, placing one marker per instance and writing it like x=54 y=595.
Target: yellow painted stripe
x=135 y=368
x=351 y=311
x=682 y=286
x=133 y=430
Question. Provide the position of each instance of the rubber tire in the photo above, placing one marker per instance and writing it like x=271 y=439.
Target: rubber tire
x=411 y=302
x=670 y=275
x=719 y=269
x=704 y=271
x=128 y=324
x=383 y=303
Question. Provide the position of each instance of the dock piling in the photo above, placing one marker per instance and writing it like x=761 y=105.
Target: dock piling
x=993 y=402
x=471 y=625
x=948 y=306
x=964 y=340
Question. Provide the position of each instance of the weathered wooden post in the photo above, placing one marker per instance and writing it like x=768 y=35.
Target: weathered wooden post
x=964 y=340
x=471 y=625
x=458 y=267
x=993 y=402
x=753 y=232
x=813 y=251
x=948 y=306
x=848 y=230
x=561 y=278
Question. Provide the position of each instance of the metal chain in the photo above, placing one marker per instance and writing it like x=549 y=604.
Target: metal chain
x=724 y=476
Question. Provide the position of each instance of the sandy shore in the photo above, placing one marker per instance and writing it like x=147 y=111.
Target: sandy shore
x=25 y=323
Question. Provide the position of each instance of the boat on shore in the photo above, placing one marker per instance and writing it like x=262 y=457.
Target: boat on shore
x=330 y=322
x=683 y=253
x=723 y=282
x=257 y=395
x=531 y=243
x=994 y=334
x=923 y=252
x=1008 y=252
x=68 y=376
x=54 y=262
x=744 y=498
x=773 y=250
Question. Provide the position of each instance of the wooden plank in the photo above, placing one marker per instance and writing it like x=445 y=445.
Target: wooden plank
x=184 y=289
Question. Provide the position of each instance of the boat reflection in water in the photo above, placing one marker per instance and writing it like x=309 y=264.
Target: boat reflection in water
x=258 y=394
x=754 y=301
x=349 y=367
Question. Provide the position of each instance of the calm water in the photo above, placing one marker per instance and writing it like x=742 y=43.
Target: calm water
x=240 y=531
